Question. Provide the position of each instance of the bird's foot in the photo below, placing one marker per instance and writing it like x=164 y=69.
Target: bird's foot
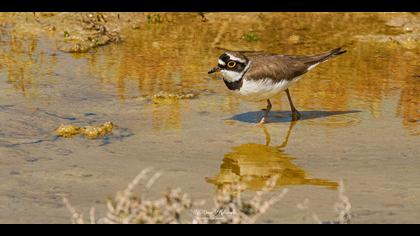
x=296 y=115
x=263 y=120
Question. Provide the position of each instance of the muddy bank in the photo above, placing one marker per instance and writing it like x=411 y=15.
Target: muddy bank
x=74 y=32
x=83 y=32
x=409 y=37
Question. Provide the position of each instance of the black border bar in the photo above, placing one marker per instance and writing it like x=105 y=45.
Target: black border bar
x=212 y=5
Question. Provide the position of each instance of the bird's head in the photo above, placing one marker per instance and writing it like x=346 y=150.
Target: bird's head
x=232 y=65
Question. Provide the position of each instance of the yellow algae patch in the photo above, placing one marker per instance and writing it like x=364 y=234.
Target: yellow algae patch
x=90 y=132
x=163 y=97
x=67 y=131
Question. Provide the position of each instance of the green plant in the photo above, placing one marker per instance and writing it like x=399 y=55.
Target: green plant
x=250 y=37
x=154 y=19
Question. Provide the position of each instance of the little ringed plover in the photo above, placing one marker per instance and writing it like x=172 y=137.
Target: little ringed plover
x=258 y=76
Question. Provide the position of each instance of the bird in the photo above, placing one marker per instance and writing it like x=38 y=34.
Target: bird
x=259 y=76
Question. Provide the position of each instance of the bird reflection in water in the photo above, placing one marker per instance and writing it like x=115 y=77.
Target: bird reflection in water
x=253 y=165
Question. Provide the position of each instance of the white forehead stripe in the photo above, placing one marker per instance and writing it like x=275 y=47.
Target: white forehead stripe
x=235 y=58
x=222 y=62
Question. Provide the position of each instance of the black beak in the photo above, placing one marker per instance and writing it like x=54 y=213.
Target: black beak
x=215 y=69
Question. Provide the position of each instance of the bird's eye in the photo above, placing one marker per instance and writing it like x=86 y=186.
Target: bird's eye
x=231 y=64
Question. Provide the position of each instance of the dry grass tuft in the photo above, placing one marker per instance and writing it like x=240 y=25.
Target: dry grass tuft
x=229 y=206
x=342 y=207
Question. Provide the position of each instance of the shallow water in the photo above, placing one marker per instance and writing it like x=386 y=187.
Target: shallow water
x=360 y=121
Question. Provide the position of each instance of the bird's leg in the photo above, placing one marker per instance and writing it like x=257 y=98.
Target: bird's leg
x=286 y=139
x=265 y=117
x=295 y=114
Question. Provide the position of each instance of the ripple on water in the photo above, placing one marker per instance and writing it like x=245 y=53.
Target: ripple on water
x=337 y=121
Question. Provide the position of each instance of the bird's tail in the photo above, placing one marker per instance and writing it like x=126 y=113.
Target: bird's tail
x=325 y=56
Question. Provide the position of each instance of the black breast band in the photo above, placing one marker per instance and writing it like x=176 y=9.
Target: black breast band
x=236 y=85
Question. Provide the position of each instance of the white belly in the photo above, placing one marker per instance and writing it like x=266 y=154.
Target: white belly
x=263 y=89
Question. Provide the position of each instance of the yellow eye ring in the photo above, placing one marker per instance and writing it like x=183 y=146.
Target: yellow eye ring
x=231 y=64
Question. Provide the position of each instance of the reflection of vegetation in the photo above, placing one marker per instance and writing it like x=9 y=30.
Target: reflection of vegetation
x=361 y=80
x=409 y=105
x=356 y=81
x=22 y=62
x=254 y=164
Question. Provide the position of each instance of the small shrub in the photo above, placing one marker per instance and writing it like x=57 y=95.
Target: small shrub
x=250 y=37
x=229 y=208
x=154 y=19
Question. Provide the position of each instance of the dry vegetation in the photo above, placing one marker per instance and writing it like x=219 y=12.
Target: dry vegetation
x=176 y=207
x=342 y=208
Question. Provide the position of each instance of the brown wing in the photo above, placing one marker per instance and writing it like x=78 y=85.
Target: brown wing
x=310 y=60
x=276 y=67
x=284 y=67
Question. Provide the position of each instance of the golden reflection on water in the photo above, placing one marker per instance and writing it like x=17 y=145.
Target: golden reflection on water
x=409 y=105
x=175 y=56
x=255 y=164
x=22 y=63
x=167 y=116
x=17 y=59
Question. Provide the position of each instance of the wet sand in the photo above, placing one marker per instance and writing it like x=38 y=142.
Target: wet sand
x=360 y=122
